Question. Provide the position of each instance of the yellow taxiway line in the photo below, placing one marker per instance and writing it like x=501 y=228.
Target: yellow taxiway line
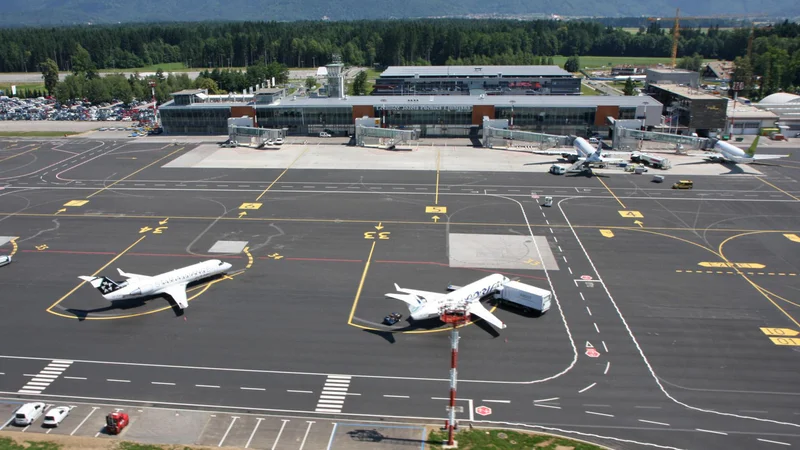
x=134 y=173
x=438 y=165
x=777 y=188
x=282 y=173
x=19 y=154
x=611 y=192
x=361 y=284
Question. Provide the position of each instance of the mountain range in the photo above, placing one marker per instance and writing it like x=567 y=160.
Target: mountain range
x=77 y=12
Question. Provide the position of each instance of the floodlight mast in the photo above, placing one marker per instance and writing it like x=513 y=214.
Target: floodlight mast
x=457 y=317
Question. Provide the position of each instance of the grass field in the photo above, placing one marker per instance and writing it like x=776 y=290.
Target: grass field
x=505 y=439
x=6 y=87
x=586 y=90
x=36 y=133
x=166 y=67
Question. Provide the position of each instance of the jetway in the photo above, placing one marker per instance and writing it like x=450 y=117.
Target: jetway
x=369 y=134
x=497 y=134
x=253 y=136
x=626 y=139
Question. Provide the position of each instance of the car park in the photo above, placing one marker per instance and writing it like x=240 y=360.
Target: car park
x=54 y=416
x=28 y=413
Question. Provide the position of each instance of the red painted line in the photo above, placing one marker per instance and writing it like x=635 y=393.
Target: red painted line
x=76 y=252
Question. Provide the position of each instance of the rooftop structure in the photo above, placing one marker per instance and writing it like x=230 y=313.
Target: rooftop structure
x=690 y=109
x=673 y=76
x=721 y=70
x=474 y=71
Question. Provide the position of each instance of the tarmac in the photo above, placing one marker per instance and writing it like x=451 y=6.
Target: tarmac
x=672 y=322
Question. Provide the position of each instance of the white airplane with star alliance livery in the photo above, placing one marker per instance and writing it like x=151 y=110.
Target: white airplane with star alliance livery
x=171 y=283
x=427 y=305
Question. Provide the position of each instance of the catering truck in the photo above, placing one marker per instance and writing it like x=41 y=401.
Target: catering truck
x=528 y=298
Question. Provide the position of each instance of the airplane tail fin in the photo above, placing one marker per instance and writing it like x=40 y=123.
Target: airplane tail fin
x=103 y=284
x=752 y=150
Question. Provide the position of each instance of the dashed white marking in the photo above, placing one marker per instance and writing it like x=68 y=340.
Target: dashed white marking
x=114 y=380
x=654 y=423
x=586 y=388
x=546 y=406
x=599 y=414
x=206 y=386
x=299 y=392
x=547 y=221
x=711 y=431
x=648 y=407
x=774 y=442
x=581 y=293
x=551 y=231
x=608 y=366
x=565 y=258
x=251 y=388
x=395 y=396
x=163 y=383
x=604 y=346
x=570 y=270
x=596 y=328
x=555 y=239
x=496 y=401
x=546 y=400
x=589 y=310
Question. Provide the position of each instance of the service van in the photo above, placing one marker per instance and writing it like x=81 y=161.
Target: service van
x=28 y=413
x=558 y=170
x=683 y=184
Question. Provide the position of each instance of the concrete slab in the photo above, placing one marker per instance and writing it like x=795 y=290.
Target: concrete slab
x=6 y=239
x=228 y=247
x=500 y=251
x=161 y=426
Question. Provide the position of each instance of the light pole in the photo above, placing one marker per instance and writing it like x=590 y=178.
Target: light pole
x=511 y=126
x=644 y=123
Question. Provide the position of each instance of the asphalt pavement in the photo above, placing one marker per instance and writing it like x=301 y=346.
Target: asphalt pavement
x=672 y=326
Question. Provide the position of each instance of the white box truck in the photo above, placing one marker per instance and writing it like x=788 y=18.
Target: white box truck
x=527 y=297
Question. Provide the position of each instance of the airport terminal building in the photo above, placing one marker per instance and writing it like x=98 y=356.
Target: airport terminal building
x=476 y=80
x=196 y=112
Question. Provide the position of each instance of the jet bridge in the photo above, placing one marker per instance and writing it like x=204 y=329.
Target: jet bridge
x=369 y=134
x=252 y=136
x=497 y=134
x=627 y=139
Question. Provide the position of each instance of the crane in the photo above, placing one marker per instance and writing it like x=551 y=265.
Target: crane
x=675 y=35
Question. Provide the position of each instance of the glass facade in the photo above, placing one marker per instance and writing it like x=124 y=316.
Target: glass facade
x=576 y=121
x=302 y=119
x=404 y=118
x=206 y=119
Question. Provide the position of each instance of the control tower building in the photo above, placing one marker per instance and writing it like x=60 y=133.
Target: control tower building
x=336 y=78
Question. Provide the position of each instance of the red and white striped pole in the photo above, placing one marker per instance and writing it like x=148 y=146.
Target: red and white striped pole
x=451 y=422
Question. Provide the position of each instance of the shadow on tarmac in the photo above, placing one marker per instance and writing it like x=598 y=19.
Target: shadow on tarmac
x=376 y=436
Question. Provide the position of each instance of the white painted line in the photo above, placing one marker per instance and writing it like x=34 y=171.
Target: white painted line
x=546 y=406
x=328 y=410
x=224 y=436
x=648 y=407
x=548 y=222
x=299 y=392
x=305 y=436
x=50 y=372
x=333 y=396
x=599 y=414
x=396 y=396
x=333 y=433
x=565 y=258
x=586 y=388
x=283 y=425
x=582 y=296
x=37 y=384
x=570 y=270
x=774 y=442
x=596 y=328
x=62 y=361
x=555 y=239
x=551 y=231
x=604 y=346
x=46 y=376
x=163 y=383
x=351 y=393
x=258 y=422
x=43 y=380
x=117 y=381
x=330 y=401
x=496 y=401
x=608 y=366
x=74 y=378
x=711 y=431
x=251 y=389
x=337 y=385
x=28 y=391
x=94 y=408
x=206 y=386
x=589 y=310
x=326 y=388
x=546 y=400
x=654 y=423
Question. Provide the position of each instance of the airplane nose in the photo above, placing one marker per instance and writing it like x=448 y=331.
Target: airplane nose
x=226 y=266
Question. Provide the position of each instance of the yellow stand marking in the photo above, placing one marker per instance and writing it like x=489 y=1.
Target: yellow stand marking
x=792 y=237
x=631 y=214
x=250 y=205
x=76 y=203
x=134 y=173
x=15 y=247
x=785 y=341
x=607 y=233
x=436 y=209
x=246 y=251
x=725 y=264
x=95 y=274
x=779 y=332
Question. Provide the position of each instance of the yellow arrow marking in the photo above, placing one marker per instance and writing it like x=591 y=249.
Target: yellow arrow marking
x=792 y=237
x=780 y=332
x=250 y=206
x=379 y=226
x=163 y=222
x=435 y=218
x=639 y=222
x=607 y=233
x=60 y=211
x=436 y=209
x=243 y=213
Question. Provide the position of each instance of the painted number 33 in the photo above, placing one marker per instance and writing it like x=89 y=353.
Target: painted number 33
x=381 y=235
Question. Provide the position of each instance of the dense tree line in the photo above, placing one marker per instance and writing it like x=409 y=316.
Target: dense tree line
x=305 y=44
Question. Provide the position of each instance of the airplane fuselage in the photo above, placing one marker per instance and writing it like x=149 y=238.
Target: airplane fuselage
x=155 y=285
x=732 y=153
x=472 y=292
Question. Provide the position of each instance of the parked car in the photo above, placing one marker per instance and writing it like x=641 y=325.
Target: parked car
x=279 y=141
x=324 y=134
x=5 y=259
x=392 y=318
x=28 y=413
x=55 y=415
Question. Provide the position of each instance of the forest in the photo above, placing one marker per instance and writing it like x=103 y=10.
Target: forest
x=775 y=49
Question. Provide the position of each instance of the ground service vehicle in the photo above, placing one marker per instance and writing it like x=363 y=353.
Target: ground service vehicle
x=55 y=415
x=5 y=259
x=116 y=422
x=548 y=201
x=658 y=179
x=28 y=413
x=528 y=298
x=683 y=184
x=555 y=169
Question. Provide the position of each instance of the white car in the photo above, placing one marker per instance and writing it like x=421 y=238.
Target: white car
x=5 y=259
x=279 y=141
x=28 y=413
x=324 y=134
x=55 y=415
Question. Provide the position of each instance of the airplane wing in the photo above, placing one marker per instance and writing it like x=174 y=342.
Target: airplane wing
x=761 y=157
x=178 y=293
x=478 y=309
x=411 y=300
x=132 y=275
x=553 y=152
x=431 y=296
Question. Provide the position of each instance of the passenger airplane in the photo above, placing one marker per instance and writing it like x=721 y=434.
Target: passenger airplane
x=171 y=283
x=427 y=305
x=727 y=152
x=585 y=155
